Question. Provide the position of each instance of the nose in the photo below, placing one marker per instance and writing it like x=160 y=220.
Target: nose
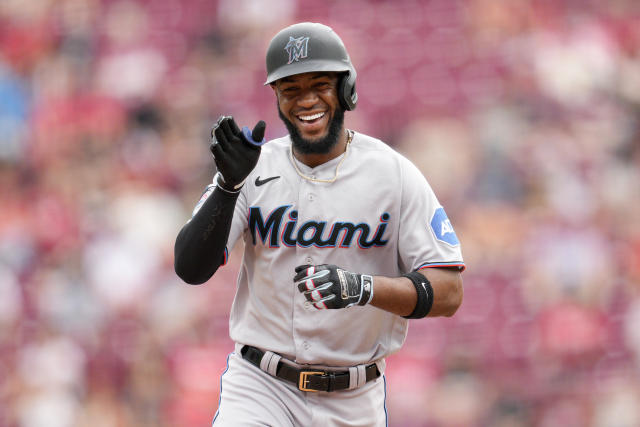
x=308 y=98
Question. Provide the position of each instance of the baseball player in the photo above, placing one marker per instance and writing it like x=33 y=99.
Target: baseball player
x=344 y=241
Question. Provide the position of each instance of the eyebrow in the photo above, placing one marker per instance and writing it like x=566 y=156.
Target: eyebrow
x=314 y=77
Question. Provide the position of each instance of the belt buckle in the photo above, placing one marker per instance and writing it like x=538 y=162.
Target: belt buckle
x=303 y=381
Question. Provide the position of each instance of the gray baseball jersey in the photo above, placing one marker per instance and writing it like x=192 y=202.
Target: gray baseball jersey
x=379 y=217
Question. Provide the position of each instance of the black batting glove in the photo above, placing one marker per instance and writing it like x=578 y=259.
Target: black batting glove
x=328 y=286
x=235 y=152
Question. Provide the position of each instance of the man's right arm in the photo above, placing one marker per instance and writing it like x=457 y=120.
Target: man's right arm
x=201 y=244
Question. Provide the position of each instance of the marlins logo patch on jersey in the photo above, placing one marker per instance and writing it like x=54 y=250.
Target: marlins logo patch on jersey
x=297 y=48
x=442 y=228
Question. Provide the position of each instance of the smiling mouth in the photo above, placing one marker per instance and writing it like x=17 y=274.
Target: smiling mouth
x=311 y=118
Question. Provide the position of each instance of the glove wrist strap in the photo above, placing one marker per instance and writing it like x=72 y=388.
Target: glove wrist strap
x=367 y=289
x=223 y=186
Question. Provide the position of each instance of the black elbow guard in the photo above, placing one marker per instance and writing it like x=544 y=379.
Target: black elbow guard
x=425 y=295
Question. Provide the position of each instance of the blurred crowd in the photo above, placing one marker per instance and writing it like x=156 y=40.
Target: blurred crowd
x=524 y=115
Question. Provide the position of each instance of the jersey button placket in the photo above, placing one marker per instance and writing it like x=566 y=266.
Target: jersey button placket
x=305 y=255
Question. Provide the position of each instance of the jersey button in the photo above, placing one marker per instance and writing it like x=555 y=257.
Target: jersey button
x=309 y=260
x=310 y=197
x=306 y=345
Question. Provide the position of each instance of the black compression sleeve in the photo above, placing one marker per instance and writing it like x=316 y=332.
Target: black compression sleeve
x=200 y=245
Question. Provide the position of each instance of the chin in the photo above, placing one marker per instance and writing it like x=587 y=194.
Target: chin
x=320 y=143
x=314 y=137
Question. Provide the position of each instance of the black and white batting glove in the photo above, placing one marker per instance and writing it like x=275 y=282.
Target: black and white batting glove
x=235 y=152
x=328 y=286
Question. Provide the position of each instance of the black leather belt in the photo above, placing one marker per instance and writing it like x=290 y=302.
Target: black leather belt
x=312 y=379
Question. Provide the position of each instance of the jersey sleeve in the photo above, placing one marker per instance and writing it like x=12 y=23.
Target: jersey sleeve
x=426 y=235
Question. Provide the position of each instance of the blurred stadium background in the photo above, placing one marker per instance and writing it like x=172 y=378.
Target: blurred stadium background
x=523 y=114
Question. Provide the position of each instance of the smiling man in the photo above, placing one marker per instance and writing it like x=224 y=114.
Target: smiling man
x=309 y=107
x=344 y=241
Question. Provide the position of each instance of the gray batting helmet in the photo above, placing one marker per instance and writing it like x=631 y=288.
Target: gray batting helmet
x=310 y=47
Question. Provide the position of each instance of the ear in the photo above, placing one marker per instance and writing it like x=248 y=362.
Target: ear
x=275 y=91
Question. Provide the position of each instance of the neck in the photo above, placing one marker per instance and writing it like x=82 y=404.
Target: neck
x=313 y=160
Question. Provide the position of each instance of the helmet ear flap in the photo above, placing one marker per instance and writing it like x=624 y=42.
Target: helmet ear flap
x=347 y=91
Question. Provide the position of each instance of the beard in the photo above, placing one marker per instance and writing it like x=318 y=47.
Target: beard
x=320 y=146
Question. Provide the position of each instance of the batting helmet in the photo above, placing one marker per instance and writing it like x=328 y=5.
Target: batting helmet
x=308 y=47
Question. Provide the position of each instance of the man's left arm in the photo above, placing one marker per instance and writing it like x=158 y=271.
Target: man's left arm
x=428 y=292
x=399 y=295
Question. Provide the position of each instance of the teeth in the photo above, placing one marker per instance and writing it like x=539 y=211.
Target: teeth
x=312 y=117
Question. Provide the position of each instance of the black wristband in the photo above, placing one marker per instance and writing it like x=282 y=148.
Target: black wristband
x=425 y=295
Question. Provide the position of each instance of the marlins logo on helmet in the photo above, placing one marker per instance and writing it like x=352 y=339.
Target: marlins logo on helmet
x=297 y=48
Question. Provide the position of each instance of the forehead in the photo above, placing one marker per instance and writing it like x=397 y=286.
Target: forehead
x=316 y=75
